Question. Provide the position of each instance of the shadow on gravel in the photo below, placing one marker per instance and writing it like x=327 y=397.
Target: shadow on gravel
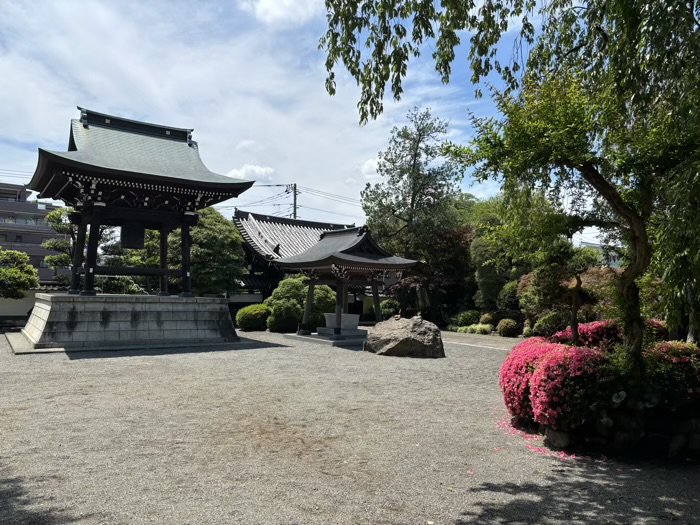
x=18 y=507
x=243 y=344
x=592 y=492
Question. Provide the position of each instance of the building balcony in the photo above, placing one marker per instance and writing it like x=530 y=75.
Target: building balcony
x=27 y=247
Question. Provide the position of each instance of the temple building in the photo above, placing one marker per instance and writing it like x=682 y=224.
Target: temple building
x=344 y=258
x=135 y=176
x=267 y=238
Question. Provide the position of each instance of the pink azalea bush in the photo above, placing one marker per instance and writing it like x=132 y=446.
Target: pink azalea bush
x=673 y=370
x=516 y=372
x=608 y=333
x=566 y=386
x=598 y=334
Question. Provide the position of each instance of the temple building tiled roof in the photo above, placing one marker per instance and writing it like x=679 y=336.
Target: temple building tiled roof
x=130 y=154
x=274 y=237
x=353 y=249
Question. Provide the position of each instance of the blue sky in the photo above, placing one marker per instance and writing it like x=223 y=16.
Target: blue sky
x=246 y=75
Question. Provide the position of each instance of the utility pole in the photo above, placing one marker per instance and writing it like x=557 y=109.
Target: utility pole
x=294 y=186
x=295 y=192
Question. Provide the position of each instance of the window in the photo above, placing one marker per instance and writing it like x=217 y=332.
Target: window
x=3 y=237
x=43 y=264
x=18 y=238
x=10 y=220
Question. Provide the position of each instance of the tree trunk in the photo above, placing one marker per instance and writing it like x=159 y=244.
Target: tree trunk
x=575 y=305
x=629 y=294
x=640 y=256
x=692 y=315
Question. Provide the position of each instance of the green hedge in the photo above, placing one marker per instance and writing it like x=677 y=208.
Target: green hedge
x=508 y=328
x=481 y=328
x=487 y=319
x=253 y=317
x=550 y=323
x=467 y=318
x=285 y=317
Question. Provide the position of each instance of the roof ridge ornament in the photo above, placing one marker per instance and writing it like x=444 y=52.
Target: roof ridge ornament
x=83 y=117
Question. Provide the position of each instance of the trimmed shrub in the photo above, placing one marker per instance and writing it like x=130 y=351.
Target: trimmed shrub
x=528 y=332
x=599 y=334
x=673 y=372
x=295 y=289
x=507 y=328
x=464 y=330
x=285 y=316
x=483 y=329
x=253 y=317
x=654 y=331
x=467 y=318
x=487 y=319
x=389 y=308
x=508 y=297
x=549 y=324
x=568 y=385
x=516 y=372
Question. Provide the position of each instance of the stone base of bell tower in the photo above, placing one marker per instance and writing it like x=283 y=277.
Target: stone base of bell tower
x=121 y=322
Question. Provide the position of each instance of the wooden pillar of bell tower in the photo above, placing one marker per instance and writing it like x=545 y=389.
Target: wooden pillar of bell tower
x=189 y=219
x=78 y=252
x=94 y=216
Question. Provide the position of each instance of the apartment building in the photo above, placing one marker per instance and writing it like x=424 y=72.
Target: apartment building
x=23 y=226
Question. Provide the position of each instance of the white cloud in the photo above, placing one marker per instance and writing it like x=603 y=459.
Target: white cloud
x=255 y=96
x=249 y=145
x=252 y=172
x=283 y=12
x=369 y=169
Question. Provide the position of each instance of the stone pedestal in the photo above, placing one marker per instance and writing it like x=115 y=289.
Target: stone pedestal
x=104 y=322
x=344 y=332
x=347 y=321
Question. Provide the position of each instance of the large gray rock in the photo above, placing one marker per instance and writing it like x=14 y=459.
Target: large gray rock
x=405 y=338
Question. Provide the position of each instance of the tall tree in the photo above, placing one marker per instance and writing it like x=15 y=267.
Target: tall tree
x=574 y=140
x=417 y=206
x=418 y=189
x=16 y=274
x=603 y=111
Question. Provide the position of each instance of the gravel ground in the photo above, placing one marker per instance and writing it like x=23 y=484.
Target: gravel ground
x=282 y=432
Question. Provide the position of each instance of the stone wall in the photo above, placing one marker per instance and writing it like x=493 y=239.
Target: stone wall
x=102 y=321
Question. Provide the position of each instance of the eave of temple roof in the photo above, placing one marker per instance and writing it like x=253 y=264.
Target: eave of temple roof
x=128 y=150
x=263 y=233
x=353 y=248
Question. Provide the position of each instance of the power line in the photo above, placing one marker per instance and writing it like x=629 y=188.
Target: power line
x=327 y=211
x=334 y=199
x=326 y=194
x=272 y=198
